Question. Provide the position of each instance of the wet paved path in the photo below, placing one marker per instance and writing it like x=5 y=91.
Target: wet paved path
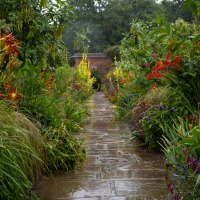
x=115 y=168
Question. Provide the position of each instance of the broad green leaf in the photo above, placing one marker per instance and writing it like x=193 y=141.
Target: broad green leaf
x=197 y=37
x=185 y=5
x=193 y=7
x=160 y=37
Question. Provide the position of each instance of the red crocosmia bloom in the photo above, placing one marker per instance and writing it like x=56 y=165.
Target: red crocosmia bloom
x=168 y=57
x=167 y=62
x=177 y=58
x=160 y=65
x=6 y=85
x=157 y=75
x=150 y=76
x=154 y=68
x=173 y=64
x=14 y=95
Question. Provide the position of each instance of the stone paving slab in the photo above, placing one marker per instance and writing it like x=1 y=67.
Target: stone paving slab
x=115 y=168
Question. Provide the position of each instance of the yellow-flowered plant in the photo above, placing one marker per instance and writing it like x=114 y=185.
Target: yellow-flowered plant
x=84 y=72
x=119 y=74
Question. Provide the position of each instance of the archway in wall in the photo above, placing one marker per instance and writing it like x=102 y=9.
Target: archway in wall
x=98 y=79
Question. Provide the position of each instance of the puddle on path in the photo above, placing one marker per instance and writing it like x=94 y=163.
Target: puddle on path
x=115 y=168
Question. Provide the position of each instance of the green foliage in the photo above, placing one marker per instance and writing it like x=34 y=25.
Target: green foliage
x=53 y=104
x=62 y=150
x=136 y=44
x=164 y=62
x=173 y=10
x=109 y=20
x=39 y=26
x=113 y=52
x=194 y=7
x=81 y=41
x=182 y=160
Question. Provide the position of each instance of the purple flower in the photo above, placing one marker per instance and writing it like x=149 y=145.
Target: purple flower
x=170 y=187
x=51 y=134
x=176 y=197
x=148 y=119
x=153 y=55
x=191 y=162
x=182 y=178
x=184 y=170
x=178 y=166
x=172 y=109
x=198 y=169
x=160 y=107
x=145 y=64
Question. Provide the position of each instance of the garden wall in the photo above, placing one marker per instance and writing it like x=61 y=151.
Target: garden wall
x=96 y=60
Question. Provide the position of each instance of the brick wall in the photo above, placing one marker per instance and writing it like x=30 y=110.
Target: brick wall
x=96 y=60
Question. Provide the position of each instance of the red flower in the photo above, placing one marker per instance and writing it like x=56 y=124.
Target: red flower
x=14 y=95
x=150 y=76
x=168 y=57
x=154 y=68
x=177 y=58
x=114 y=91
x=6 y=85
x=167 y=62
x=77 y=86
x=173 y=64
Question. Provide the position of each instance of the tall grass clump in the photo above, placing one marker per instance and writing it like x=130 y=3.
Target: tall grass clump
x=20 y=154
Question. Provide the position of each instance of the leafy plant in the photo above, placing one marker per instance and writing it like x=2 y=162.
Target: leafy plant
x=182 y=161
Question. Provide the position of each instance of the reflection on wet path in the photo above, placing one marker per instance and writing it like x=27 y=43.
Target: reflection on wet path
x=115 y=168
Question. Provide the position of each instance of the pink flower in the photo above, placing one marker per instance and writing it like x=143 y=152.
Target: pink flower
x=185 y=152
x=145 y=64
x=191 y=161
x=153 y=55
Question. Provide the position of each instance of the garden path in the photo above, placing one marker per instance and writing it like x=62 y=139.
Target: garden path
x=115 y=168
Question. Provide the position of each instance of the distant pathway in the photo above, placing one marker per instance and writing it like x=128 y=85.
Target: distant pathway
x=115 y=169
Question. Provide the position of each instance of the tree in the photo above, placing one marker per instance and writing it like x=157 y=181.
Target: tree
x=109 y=20
x=118 y=15
x=173 y=11
x=81 y=41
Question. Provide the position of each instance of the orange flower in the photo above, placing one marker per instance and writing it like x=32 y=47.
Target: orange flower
x=197 y=43
x=14 y=95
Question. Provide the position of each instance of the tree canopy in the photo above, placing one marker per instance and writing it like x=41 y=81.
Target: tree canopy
x=108 y=20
